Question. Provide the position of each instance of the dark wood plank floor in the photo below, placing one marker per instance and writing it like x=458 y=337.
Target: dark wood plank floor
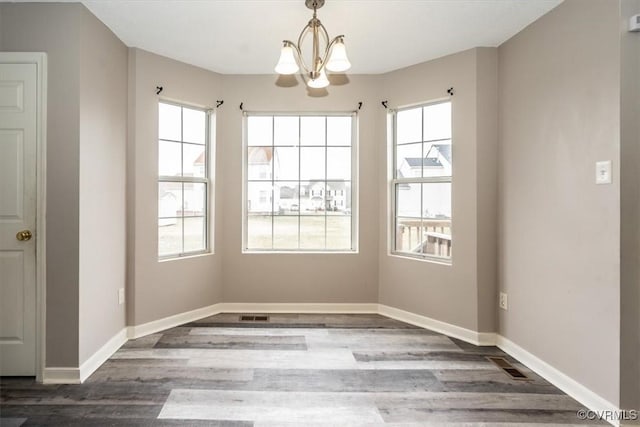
x=297 y=370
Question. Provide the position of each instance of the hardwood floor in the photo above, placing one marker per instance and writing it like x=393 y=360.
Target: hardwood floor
x=294 y=370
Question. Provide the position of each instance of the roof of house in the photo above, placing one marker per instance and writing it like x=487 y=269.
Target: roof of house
x=416 y=162
x=444 y=150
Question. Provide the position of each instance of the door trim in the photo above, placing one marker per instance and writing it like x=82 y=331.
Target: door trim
x=40 y=60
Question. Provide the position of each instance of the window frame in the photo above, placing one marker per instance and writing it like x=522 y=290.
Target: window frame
x=392 y=123
x=209 y=155
x=354 y=181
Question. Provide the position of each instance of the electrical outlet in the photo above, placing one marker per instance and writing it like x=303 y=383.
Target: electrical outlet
x=121 y=296
x=603 y=172
x=503 y=302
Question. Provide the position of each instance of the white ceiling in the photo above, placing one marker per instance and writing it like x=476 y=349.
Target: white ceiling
x=244 y=36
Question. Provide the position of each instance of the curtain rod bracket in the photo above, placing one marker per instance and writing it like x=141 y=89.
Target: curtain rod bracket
x=159 y=89
x=384 y=104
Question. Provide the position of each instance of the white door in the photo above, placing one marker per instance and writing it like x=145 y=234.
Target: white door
x=18 y=219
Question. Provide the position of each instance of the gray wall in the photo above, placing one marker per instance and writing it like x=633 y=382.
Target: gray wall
x=103 y=140
x=320 y=278
x=630 y=211
x=161 y=289
x=55 y=29
x=86 y=139
x=559 y=232
x=462 y=293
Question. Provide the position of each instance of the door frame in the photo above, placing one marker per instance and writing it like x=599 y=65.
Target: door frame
x=40 y=60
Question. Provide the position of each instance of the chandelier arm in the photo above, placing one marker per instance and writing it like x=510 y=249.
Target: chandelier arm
x=296 y=49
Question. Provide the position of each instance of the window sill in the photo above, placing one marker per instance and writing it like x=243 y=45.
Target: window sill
x=429 y=259
x=295 y=252
x=187 y=256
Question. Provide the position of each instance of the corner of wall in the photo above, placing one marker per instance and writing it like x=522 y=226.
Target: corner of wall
x=131 y=186
x=487 y=187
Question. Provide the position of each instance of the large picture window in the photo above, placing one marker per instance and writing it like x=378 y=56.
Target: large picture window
x=183 y=180
x=299 y=182
x=421 y=181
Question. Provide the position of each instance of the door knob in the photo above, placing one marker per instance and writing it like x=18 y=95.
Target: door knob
x=24 y=235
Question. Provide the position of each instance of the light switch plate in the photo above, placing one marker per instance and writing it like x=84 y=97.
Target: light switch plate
x=121 y=296
x=603 y=172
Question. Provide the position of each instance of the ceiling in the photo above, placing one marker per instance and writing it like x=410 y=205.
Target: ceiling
x=244 y=36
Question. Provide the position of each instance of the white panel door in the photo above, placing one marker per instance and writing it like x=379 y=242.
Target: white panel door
x=18 y=219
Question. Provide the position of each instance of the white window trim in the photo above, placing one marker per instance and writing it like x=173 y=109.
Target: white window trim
x=207 y=180
x=355 y=191
x=392 y=116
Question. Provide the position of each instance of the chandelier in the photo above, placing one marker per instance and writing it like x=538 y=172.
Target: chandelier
x=329 y=55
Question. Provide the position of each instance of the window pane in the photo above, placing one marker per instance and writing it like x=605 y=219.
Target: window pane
x=169 y=236
x=409 y=235
x=409 y=161
x=409 y=126
x=286 y=163
x=437 y=161
x=437 y=219
x=169 y=122
x=259 y=232
x=408 y=199
x=194 y=160
x=339 y=232
x=259 y=163
x=285 y=232
x=437 y=121
x=338 y=198
x=259 y=197
x=259 y=130
x=312 y=131
x=312 y=197
x=338 y=130
x=193 y=126
x=437 y=200
x=286 y=130
x=194 y=234
x=312 y=230
x=194 y=199
x=169 y=199
x=169 y=158
x=287 y=200
x=339 y=163
x=312 y=163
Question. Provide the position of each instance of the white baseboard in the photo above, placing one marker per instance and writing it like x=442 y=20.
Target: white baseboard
x=473 y=337
x=565 y=383
x=138 y=331
x=337 y=308
x=105 y=352
x=61 y=376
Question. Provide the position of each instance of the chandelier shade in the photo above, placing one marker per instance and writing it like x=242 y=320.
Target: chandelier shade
x=338 y=61
x=287 y=63
x=319 y=82
x=327 y=54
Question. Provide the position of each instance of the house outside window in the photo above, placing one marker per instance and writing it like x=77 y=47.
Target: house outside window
x=301 y=162
x=421 y=182
x=183 y=180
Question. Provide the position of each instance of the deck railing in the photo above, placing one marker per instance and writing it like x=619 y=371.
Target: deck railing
x=429 y=236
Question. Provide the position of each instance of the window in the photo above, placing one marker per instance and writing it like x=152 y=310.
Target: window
x=422 y=181
x=183 y=180
x=299 y=182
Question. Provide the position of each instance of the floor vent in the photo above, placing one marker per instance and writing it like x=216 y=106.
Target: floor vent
x=513 y=372
x=254 y=318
